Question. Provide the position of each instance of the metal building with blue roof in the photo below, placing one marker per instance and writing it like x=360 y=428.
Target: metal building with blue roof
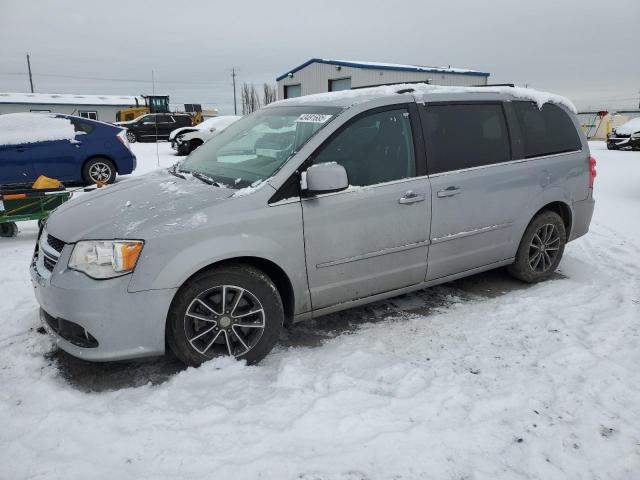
x=319 y=75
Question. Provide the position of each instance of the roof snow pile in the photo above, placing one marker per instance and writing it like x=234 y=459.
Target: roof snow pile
x=363 y=94
x=629 y=128
x=19 y=128
x=70 y=99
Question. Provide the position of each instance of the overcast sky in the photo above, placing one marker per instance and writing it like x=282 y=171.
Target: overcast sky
x=583 y=49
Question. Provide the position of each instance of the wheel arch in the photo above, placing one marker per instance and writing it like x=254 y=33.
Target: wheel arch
x=562 y=209
x=277 y=275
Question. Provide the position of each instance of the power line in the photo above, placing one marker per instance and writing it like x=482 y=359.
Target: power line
x=133 y=80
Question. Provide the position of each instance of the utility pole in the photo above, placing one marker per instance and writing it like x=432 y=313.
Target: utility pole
x=235 y=105
x=30 y=77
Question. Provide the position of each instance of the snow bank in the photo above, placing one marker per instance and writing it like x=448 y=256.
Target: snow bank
x=632 y=126
x=362 y=94
x=19 y=128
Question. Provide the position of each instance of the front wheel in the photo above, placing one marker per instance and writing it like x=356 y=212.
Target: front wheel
x=131 y=137
x=540 y=249
x=99 y=170
x=8 y=229
x=228 y=311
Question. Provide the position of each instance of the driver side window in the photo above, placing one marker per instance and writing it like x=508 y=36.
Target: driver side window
x=373 y=149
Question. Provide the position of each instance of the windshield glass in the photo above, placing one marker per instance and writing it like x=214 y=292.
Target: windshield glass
x=255 y=147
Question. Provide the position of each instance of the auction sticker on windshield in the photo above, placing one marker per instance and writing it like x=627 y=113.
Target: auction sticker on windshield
x=313 y=118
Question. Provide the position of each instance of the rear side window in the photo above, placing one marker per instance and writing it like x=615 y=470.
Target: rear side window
x=545 y=131
x=375 y=148
x=82 y=127
x=464 y=136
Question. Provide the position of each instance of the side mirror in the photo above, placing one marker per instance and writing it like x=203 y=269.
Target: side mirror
x=324 y=178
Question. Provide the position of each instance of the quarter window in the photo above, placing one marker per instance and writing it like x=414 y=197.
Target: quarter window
x=545 y=131
x=465 y=136
x=374 y=149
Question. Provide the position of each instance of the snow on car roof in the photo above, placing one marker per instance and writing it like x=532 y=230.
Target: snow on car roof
x=70 y=99
x=423 y=92
x=20 y=128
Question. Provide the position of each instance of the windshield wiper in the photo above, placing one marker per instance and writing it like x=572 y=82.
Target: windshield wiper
x=206 y=179
x=174 y=171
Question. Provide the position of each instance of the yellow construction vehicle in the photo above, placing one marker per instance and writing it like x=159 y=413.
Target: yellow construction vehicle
x=152 y=104
x=158 y=104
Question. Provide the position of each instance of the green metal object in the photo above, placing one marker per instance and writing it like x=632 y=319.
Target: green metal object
x=32 y=205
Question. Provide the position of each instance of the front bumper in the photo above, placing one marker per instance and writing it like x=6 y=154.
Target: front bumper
x=614 y=142
x=124 y=325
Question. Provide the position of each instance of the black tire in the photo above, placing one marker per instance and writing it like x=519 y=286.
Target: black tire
x=611 y=147
x=196 y=340
x=193 y=144
x=99 y=169
x=540 y=249
x=132 y=137
x=8 y=229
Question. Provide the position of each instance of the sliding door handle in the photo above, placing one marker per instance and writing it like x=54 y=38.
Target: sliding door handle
x=411 y=197
x=449 y=192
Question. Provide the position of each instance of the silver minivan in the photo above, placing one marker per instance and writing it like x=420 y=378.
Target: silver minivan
x=310 y=206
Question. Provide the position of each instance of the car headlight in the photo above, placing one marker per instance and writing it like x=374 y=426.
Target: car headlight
x=105 y=259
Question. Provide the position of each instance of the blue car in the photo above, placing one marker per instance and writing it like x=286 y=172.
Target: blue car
x=68 y=148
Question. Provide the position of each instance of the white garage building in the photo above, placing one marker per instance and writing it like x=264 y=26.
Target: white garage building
x=96 y=107
x=324 y=75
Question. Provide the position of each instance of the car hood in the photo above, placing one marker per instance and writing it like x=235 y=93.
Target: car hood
x=177 y=131
x=629 y=128
x=135 y=208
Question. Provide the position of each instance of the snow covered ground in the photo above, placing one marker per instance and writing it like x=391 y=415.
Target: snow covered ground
x=483 y=378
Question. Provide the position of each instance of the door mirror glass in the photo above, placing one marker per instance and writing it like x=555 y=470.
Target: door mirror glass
x=325 y=178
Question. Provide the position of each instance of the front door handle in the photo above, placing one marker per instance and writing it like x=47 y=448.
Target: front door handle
x=411 y=197
x=449 y=192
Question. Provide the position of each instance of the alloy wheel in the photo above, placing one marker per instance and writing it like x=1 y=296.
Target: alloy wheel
x=544 y=248
x=224 y=320
x=100 y=172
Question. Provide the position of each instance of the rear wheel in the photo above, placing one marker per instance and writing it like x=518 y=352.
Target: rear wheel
x=229 y=311
x=8 y=229
x=540 y=249
x=99 y=170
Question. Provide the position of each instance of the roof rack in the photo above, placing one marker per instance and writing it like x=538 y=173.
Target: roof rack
x=496 y=85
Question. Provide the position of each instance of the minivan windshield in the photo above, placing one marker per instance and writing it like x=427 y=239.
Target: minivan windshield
x=255 y=147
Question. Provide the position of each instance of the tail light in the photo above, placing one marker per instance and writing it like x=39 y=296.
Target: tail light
x=592 y=171
x=122 y=136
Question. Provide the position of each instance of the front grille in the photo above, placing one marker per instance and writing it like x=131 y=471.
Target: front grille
x=49 y=262
x=55 y=243
x=71 y=332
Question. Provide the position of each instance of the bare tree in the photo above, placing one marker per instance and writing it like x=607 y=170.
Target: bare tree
x=269 y=95
x=250 y=99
